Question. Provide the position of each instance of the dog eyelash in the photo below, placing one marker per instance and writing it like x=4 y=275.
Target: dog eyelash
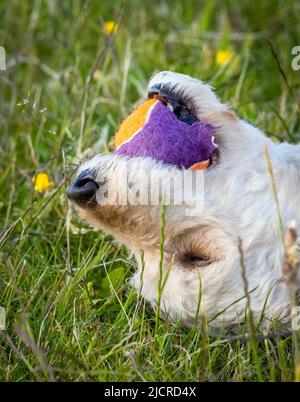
x=174 y=92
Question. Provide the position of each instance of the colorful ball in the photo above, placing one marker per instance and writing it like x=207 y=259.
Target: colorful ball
x=153 y=130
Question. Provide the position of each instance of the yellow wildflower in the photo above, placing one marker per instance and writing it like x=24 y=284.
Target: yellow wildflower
x=111 y=27
x=223 y=56
x=41 y=182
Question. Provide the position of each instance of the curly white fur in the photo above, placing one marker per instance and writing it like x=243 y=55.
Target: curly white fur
x=239 y=204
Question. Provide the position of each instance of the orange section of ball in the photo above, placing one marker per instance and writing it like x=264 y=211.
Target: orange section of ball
x=133 y=122
x=200 y=165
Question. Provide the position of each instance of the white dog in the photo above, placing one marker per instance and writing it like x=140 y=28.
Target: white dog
x=237 y=232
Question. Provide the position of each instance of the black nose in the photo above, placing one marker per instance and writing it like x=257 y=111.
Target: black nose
x=83 y=188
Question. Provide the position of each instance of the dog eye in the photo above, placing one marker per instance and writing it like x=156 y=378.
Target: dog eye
x=183 y=114
x=199 y=260
x=175 y=101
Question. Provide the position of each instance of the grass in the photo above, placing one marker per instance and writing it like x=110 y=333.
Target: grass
x=71 y=314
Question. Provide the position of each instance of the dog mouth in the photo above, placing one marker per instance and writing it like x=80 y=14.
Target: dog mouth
x=179 y=103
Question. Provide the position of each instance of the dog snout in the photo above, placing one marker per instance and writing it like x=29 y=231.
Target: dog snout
x=83 y=188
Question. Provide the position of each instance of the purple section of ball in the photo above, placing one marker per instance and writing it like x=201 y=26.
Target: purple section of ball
x=167 y=139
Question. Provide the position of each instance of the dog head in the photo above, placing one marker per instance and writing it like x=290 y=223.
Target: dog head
x=215 y=251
